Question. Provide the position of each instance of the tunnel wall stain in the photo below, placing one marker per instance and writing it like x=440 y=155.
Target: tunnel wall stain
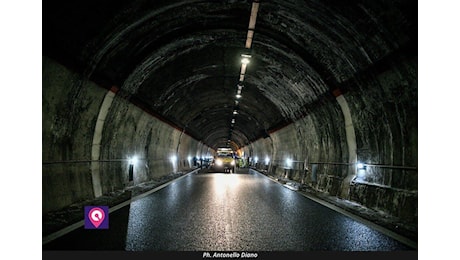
x=69 y=117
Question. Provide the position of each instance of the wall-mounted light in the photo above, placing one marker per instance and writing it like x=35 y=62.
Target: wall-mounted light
x=233 y=120
x=289 y=162
x=267 y=160
x=238 y=96
x=235 y=112
x=361 y=166
x=133 y=160
x=173 y=158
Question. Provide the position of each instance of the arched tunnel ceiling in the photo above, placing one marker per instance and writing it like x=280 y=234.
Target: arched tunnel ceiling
x=180 y=60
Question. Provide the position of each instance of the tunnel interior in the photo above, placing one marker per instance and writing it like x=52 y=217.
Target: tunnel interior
x=330 y=85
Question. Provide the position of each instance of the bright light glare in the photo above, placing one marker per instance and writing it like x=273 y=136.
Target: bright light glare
x=267 y=160
x=360 y=166
x=245 y=60
x=224 y=184
x=173 y=158
x=219 y=162
x=238 y=96
x=289 y=162
x=133 y=160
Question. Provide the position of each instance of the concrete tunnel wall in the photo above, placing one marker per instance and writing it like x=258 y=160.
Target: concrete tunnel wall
x=384 y=122
x=384 y=119
x=71 y=107
x=70 y=115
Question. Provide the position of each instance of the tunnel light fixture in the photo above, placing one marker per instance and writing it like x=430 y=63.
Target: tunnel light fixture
x=289 y=162
x=173 y=158
x=245 y=58
x=361 y=166
x=267 y=160
x=233 y=120
x=133 y=160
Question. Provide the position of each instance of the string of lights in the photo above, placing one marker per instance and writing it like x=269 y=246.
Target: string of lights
x=245 y=60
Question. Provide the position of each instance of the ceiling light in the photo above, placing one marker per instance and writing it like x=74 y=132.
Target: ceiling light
x=238 y=96
x=245 y=59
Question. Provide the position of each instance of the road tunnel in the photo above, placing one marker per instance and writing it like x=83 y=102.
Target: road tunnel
x=318 y=93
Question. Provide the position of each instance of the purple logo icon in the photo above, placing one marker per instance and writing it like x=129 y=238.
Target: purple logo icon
x=96 y=217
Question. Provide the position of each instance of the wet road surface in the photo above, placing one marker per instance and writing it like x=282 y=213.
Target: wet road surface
x=224 y=212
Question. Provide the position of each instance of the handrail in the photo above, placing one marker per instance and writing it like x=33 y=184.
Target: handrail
x=401 y=167
x=392 y=166
x=84 y=161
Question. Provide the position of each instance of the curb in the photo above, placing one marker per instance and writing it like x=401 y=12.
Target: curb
x=74 y=226
x=407 y=241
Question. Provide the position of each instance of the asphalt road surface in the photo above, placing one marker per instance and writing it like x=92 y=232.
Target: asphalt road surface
x=225 y=212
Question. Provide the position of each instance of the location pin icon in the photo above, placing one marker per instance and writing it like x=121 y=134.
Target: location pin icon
x=96 y=216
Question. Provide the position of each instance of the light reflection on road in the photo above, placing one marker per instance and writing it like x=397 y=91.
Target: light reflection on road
x=243 y=212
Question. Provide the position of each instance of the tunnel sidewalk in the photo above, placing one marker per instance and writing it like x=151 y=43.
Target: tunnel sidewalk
x=406 y=230
x=58 y=220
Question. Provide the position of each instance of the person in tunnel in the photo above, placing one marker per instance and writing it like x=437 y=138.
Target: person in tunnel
x=195 y=161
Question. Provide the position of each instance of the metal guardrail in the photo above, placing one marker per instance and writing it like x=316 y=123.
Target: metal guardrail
x=373 y=165
x=400 y=167
x=85 y=161
x=411 y=168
